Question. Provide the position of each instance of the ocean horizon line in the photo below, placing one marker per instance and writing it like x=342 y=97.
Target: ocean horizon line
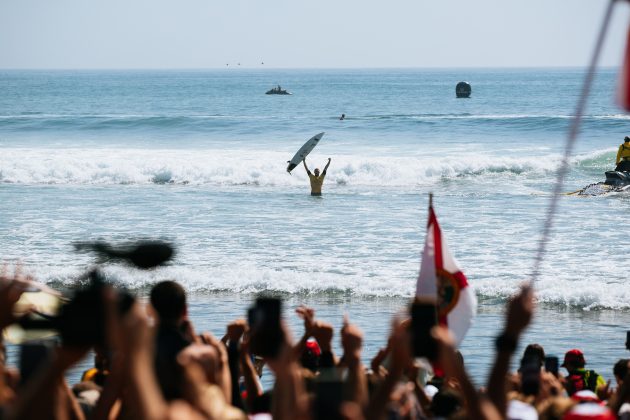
x=261 y=67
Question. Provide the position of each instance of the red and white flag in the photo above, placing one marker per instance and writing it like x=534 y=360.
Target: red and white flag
x=441 y=278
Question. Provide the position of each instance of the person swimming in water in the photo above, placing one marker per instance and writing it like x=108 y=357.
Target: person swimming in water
x=316 y=179
x=623 y=156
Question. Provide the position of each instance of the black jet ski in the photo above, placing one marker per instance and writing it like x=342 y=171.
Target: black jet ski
x=617 y=179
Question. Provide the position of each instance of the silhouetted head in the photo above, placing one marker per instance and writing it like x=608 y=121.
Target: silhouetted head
x=620 y=370
x=626 y=139
x=446 y=402
x=534 y=352
x=168 y=299
x=316 y=171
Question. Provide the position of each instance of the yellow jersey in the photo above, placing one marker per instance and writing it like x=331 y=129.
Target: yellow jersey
x=316 y=182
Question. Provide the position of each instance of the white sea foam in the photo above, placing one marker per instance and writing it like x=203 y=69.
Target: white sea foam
x=235 y=167
x=552 y=289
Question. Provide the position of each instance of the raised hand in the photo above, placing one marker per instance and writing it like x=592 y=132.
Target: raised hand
x=520 y=311
x=236 y=329
x=351 y=341
x=323 y=333
x=11 y=289
x=307 y=314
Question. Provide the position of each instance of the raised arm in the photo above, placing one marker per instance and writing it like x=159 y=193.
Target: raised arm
x=519 y=313
x=356 y=386
x=306 y=167
x=327 y=165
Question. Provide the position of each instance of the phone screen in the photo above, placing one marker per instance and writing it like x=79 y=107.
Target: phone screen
x=530 y=375
x=423 y=319
x=551 y=364
x=264 y=322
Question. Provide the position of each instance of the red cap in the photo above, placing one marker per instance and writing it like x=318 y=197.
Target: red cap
x=313 y=347
x=575 y=357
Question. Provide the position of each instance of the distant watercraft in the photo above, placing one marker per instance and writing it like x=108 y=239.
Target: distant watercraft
x=278 y=91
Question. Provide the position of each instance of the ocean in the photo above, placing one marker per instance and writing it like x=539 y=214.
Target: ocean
x=199 y=158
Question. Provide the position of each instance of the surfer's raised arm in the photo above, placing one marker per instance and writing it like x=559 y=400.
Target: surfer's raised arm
x=306 y=167
x=326 y=167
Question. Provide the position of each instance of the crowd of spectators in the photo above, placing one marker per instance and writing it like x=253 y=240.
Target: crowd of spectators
x=151 y=363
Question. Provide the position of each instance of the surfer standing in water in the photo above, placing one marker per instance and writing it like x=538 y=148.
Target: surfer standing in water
x=316 y=179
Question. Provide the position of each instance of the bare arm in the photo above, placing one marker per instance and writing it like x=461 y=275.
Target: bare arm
x=290 y=400
x=223 y=376
x=327 y=165
x=308 y=315
x=356 y=382
x=235 y=331
x=323 y=333
x=306 y=167
x=400 y=357
x=519 y=314
x=252 y=385
x=476 y=407
x=144 y=395
x=111 y=392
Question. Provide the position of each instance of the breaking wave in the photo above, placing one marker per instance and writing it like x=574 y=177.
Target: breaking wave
x=246 y=278
x=231 y=168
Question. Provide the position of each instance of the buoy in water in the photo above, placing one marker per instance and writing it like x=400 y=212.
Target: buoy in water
x=463 y=90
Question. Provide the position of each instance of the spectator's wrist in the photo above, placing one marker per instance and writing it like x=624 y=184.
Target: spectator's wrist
x=324 y=346
x=352 y=360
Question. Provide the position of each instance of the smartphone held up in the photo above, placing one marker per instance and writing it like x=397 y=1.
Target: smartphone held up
x=266 y=334
x=423 y=319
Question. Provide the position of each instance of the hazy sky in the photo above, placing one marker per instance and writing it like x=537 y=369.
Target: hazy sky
x=303 y=33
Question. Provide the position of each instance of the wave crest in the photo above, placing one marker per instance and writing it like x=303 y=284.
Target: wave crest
x=225 y=168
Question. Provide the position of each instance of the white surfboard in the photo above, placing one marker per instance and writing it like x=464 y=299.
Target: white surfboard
x=304 y=151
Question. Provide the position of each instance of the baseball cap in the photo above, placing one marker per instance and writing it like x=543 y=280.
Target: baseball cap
x=313 y=347
x=575 y=357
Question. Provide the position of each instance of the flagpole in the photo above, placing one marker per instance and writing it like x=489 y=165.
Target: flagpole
x=430 y=200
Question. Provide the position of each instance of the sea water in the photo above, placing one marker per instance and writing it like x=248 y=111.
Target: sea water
x=199 y=158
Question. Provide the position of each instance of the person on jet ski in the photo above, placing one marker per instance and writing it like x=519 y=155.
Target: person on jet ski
x=623 y=156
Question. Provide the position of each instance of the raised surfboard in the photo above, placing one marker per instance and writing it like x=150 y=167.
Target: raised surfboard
x=304 y=151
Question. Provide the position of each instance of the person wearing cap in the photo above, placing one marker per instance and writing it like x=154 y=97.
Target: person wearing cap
x=310 y=356
x=623 y=156
x=579 y=378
